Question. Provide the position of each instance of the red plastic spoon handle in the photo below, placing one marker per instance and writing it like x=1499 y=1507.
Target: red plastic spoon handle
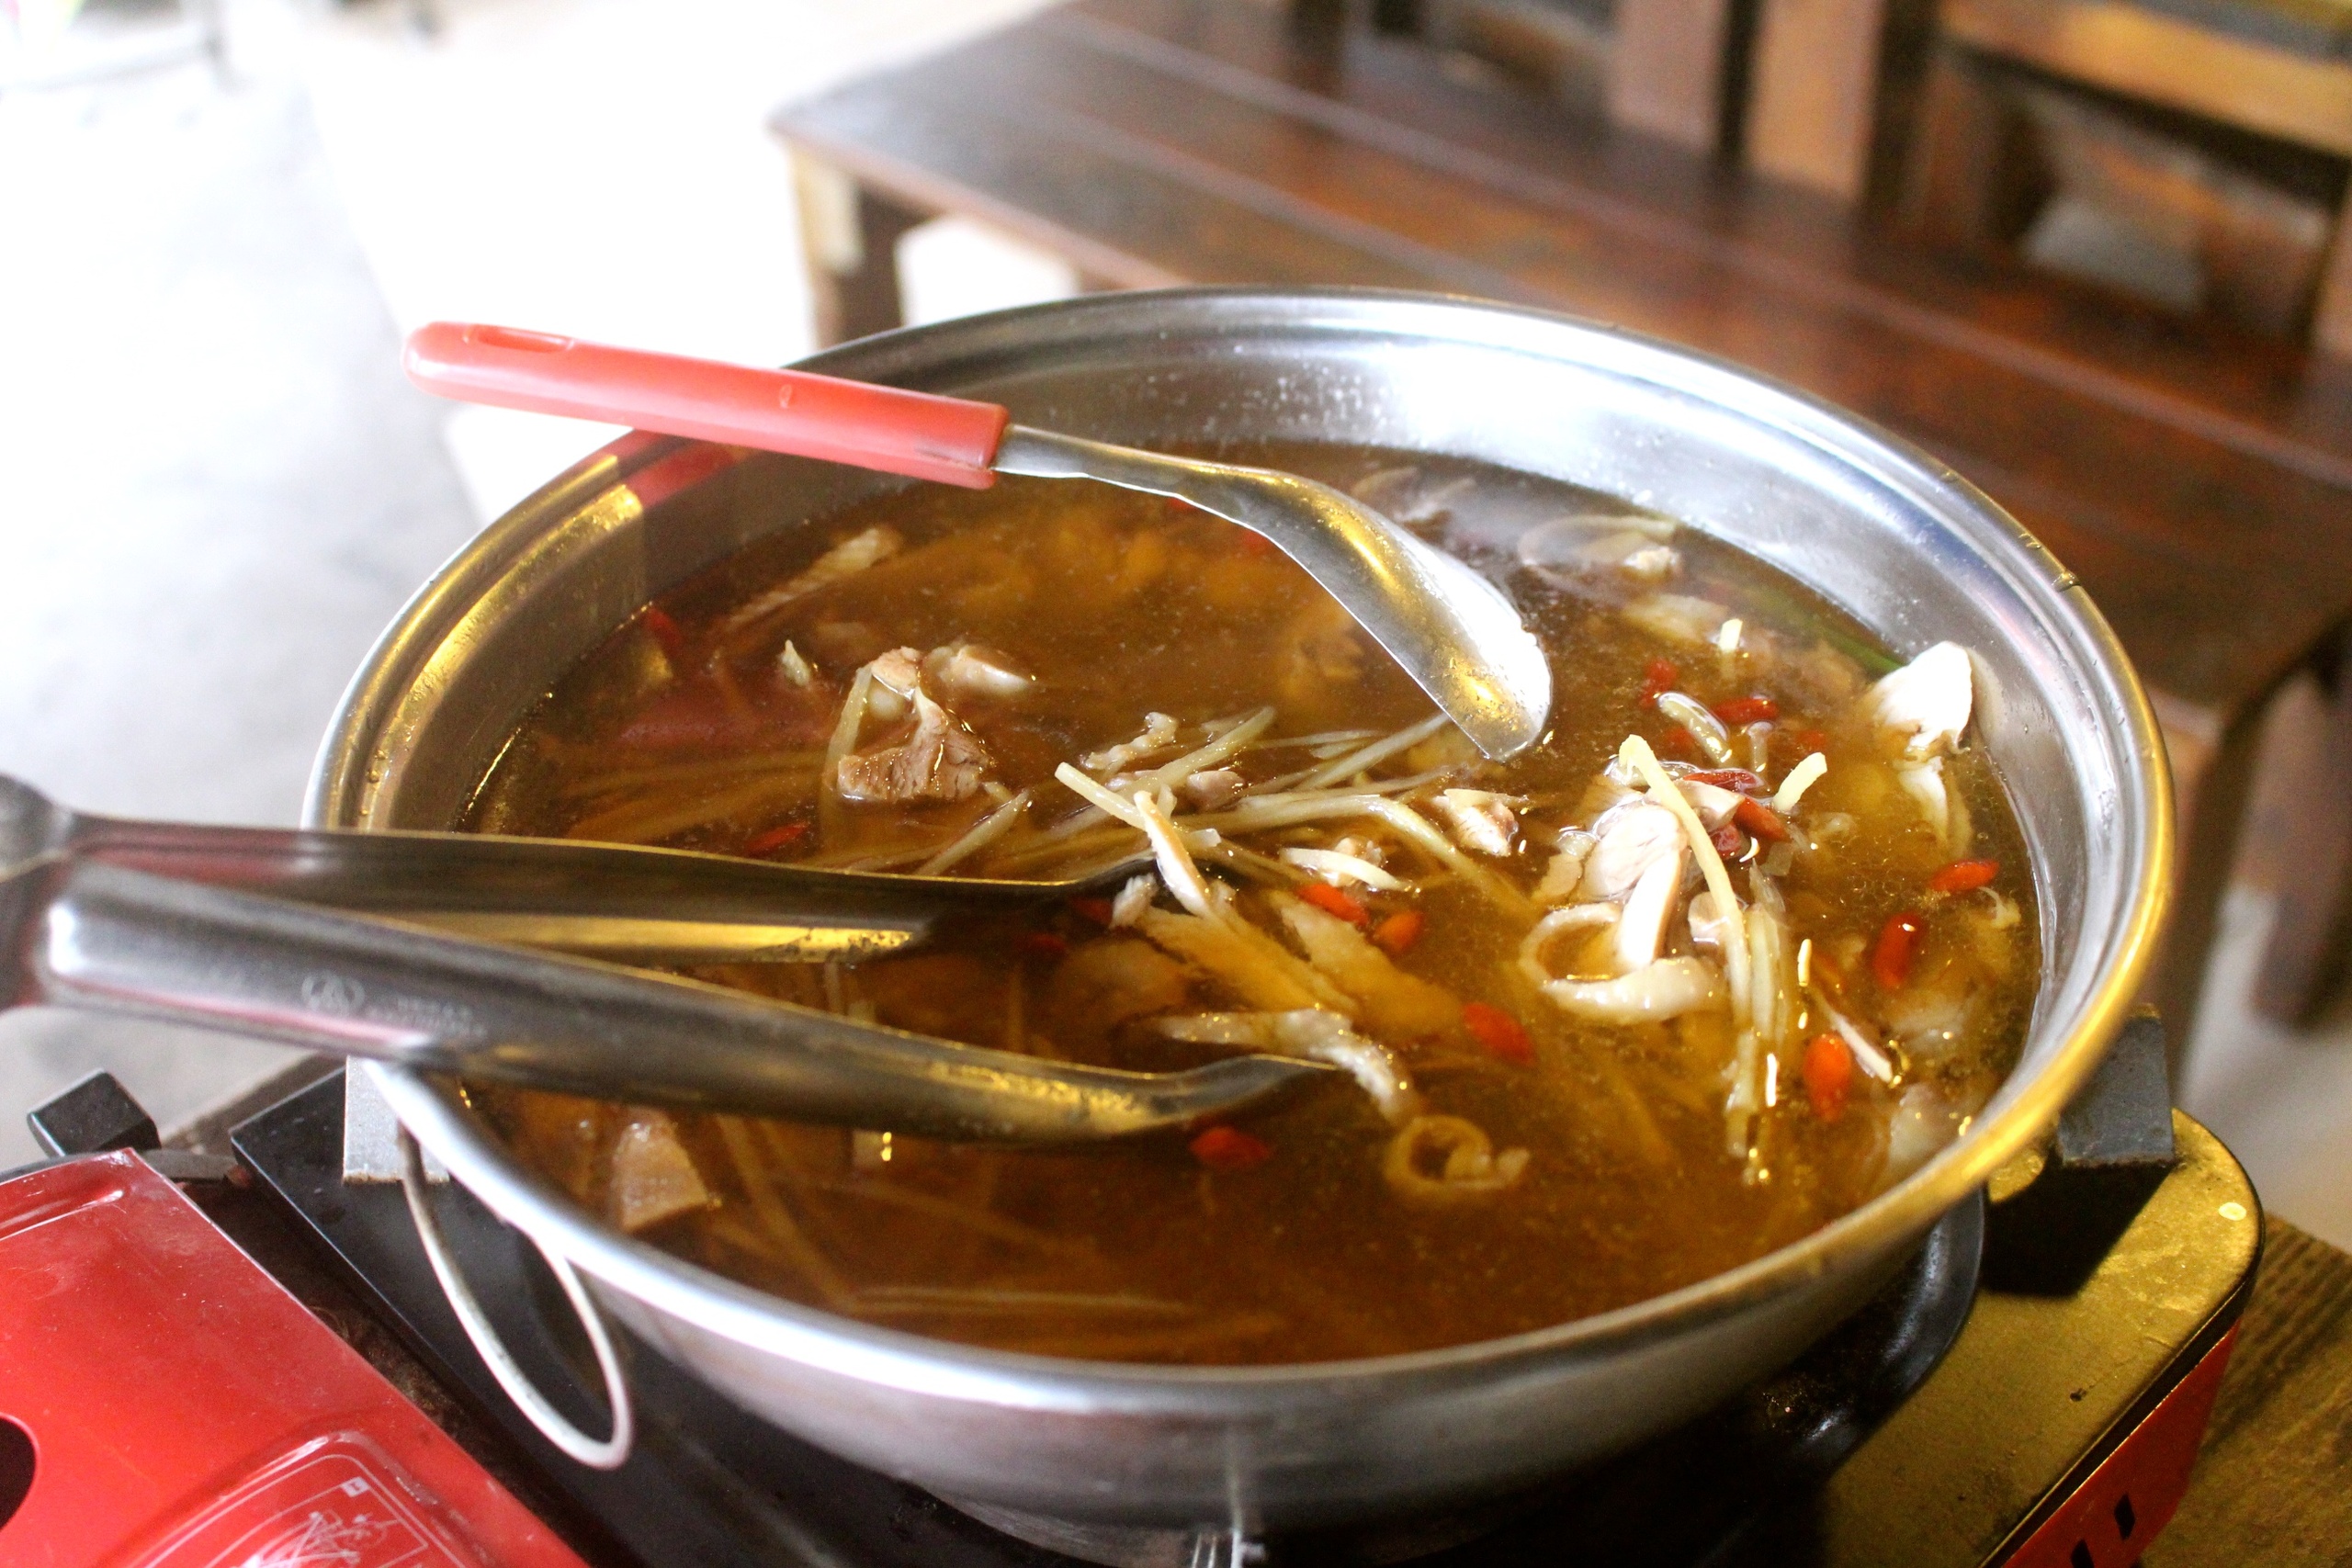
x=887 y=428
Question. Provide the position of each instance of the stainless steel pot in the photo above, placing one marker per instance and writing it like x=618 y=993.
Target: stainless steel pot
x=1894 y=536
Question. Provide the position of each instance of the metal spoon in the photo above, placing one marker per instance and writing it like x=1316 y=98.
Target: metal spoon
x=80 y=932
x=1450 y=629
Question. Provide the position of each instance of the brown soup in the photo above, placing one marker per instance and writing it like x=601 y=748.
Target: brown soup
x=1599 y=1042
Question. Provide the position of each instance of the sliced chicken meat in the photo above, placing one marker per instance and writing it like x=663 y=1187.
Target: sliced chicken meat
x=1921 y=709
x=1630 y=837
x=938 y=759
x=1479 y=819
x=844 y=560
x=654 y=1177
x=967 y=669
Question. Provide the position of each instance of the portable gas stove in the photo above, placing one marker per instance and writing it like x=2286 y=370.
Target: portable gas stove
x=2029 y=1391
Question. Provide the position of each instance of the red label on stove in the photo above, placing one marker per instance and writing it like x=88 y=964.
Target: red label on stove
x=2111 y=1518
x=336 y=1501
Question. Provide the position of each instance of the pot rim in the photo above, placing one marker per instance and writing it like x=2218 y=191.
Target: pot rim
x=2020 y=1111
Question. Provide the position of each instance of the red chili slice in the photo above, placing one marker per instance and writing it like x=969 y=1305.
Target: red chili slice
x=1096 y=909
x=1329 y=900
x=1045 y=944
x=1761 y=820
x=1899 y=946
x=1828 y=1073
x=1748 y=710
x=1811 y=741
x=1229 y=1148
x=1964 y=876
x=1498 y=1031
x=1660 y=677
x=776 y=838
x=664 y=629
x=1399 y=930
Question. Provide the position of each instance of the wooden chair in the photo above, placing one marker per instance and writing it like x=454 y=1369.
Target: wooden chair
x=2170 y=103
x=1671 y=69
x=1812 y=111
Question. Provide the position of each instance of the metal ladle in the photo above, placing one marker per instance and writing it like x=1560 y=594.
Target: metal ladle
x=169 y=921
x=1449 y=628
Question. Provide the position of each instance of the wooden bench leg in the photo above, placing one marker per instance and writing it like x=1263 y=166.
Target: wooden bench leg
x=1667 y=77
x=849 y=237
x=1813 y=101
x=1318 y=23
x=2305 y=958
x=1965 y=185
x=1318 y=37
x=2212 y=766
x=2331 y=312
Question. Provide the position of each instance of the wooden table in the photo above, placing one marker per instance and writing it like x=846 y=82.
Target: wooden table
x=2200 y=481
x=2274 y=1479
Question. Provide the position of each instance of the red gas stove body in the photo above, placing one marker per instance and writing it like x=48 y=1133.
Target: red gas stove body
x=165 y=1403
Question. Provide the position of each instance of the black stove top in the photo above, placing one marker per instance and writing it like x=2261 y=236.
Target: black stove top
x=1947 y=1422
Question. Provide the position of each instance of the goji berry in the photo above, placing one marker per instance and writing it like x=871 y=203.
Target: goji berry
x=1964 y=876
x=1399 y=930
x=1229 y=1148
x=1761 y=820
x=664 y=627
x=1829 y=1074
x=1660 y=677
x=1499 y=1032
x=1738 y=779
x=1898 y=945
x=1330 y=900
x=1748 y=710
x=776 y=838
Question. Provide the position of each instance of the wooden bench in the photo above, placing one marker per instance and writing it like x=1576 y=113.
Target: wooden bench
x=2279 y=70
x=2198 y=480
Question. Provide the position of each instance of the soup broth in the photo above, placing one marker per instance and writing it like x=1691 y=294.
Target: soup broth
x=1746 y=938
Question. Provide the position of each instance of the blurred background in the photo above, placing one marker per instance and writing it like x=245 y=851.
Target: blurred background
x=221 y=220
x=222 y=216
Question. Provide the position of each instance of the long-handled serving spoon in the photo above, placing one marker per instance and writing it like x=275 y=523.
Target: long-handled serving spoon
x=1449 y=628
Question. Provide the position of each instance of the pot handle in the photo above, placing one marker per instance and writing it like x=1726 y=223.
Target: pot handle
x=606 y=1453
x=920 y=435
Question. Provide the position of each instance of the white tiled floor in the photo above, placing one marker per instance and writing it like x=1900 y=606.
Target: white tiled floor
x=601 y=168
x=2282 y=1099
x=219 y=488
